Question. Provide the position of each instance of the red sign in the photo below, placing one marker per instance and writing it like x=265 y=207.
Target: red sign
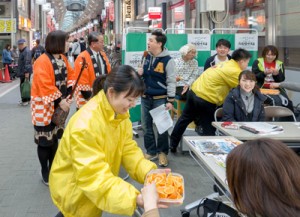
x=111 y=11
x=154 y=13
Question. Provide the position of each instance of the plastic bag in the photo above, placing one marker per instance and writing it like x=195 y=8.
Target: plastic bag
x=25 y=89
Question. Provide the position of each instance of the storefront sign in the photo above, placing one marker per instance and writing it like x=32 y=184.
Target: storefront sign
x=128 y=10
x=154 y=13
x=8 y=26
x=111 y=11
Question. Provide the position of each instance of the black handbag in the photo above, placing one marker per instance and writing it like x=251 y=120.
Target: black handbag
x=60 y=116
x=213 y=208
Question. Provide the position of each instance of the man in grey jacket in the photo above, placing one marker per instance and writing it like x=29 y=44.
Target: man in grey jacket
x=158 y=72
x=24 y=67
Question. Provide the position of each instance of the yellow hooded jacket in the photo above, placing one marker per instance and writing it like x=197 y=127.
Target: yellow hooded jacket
x=216 y=82
x=84 y=175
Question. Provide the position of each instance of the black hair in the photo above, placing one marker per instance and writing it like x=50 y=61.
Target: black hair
x=241 y=54
x=223 y=42
x=160 y=37
x=7 y=46
x=56 y=42
x=75 y=40
x=37 y=41
x=93 y=37
x=121 y=79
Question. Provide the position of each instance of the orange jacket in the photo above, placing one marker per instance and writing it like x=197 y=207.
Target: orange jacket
x=43 y=89
x=88 y=76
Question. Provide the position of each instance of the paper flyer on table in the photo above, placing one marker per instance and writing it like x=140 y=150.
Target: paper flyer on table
x=161 y=118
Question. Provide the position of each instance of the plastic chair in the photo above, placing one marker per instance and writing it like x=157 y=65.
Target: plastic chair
x=218 y=116
x=272 y=112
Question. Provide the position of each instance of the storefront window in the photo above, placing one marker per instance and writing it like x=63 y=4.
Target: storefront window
x=288 y=32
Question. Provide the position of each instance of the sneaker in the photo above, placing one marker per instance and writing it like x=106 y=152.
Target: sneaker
x=151 y=157
x=23 y=103
x=45 y=178
x=162 y=160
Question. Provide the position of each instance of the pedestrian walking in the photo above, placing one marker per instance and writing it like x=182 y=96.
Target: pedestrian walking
x=24 y=68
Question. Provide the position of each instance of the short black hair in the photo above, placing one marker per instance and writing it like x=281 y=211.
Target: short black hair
x=241 y=54
x=56 y=42
x=37 y=41
x=160 y=37
x=223 y=42
x=93 y=37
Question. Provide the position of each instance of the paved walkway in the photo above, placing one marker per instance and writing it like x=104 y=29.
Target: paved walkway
x=22 y=194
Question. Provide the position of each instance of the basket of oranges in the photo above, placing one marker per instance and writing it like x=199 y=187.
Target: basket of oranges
x=170 y=186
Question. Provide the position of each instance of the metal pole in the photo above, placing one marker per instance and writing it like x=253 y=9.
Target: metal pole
x=118 y=20
x=12 y=14
x=164 y=15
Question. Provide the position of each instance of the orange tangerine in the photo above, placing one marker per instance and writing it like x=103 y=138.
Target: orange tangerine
x=169 y=189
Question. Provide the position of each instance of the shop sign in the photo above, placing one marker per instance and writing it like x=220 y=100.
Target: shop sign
x=128 y=10
x=8 y=26
x=111 y=10
x=154 y=13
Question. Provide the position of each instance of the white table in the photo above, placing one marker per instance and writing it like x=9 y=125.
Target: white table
x=290 y=134
x=216 y=172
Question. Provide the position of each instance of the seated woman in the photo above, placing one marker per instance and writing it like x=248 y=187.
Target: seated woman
x=269 y=69
x=263 y=177
x=245 y=102
x=186 y=70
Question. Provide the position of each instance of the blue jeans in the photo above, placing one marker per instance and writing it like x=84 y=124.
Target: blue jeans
x=162 y=144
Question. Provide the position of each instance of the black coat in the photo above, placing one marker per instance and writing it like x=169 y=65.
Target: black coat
x=234 y=107
x=24 y=62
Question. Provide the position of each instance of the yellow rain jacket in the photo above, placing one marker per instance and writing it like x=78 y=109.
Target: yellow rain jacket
x=216 y=82
x=84 y=175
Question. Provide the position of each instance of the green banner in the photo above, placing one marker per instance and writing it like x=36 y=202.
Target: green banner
x=134 y=45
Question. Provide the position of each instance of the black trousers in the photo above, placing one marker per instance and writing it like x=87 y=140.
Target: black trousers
x=59 y=215
x=195 y=108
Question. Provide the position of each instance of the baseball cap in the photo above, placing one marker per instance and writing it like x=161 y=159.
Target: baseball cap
x=21 y=41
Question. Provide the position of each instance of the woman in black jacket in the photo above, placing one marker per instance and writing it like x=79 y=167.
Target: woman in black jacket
x=245 y=102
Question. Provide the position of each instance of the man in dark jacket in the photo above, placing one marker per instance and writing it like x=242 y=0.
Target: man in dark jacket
x=222 y=48
x=37 y=50
x=24 y=67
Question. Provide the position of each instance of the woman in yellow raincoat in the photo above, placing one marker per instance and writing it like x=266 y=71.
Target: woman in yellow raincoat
x=97 y=141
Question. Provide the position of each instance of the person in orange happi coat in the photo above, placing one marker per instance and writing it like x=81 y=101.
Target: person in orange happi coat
x=97 y=64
